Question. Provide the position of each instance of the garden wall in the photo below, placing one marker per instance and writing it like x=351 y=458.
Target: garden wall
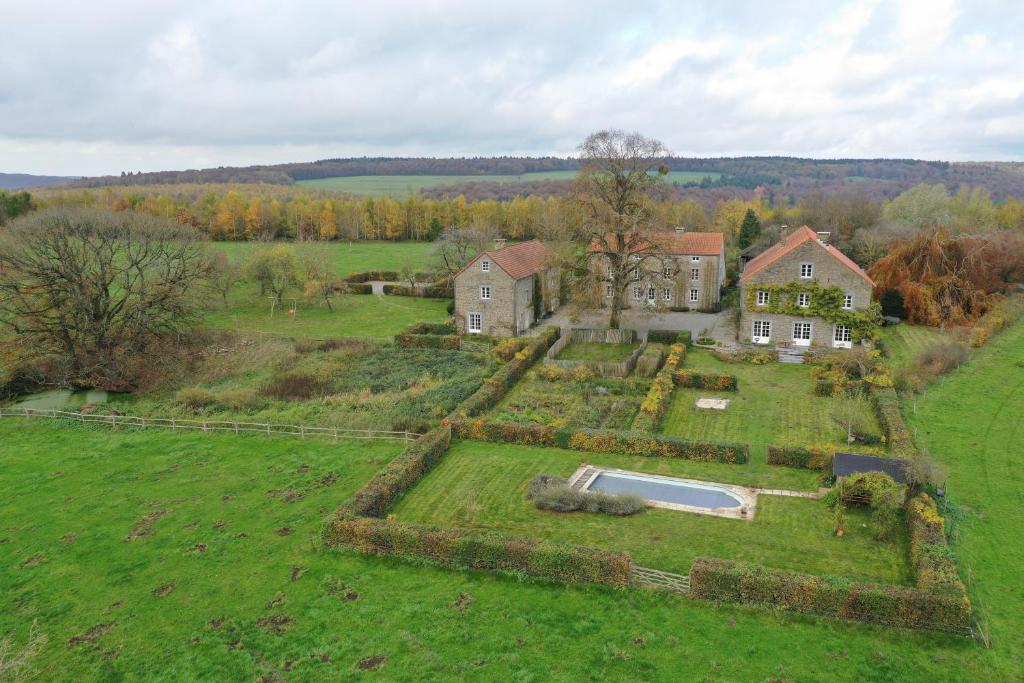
x=484 y=550
x=728 y=581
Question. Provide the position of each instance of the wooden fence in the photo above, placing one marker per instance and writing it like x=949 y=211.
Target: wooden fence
x=655 y=578
x=600 y=368
x=581 y=335
x=301 y=431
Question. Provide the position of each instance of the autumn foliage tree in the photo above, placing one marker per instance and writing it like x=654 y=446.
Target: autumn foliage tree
x=953 y=280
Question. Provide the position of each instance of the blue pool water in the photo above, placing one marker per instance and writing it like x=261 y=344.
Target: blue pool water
x=666 y=491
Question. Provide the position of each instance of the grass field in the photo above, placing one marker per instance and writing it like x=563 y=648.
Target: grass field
x=483 y=485
x=602 y=353
x=774 y=405
x=402 y=185
x=354 y=315
x=903 y=343
x=351 y=257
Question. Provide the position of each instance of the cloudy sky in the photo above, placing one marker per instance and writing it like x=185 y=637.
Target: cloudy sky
x=100 y=87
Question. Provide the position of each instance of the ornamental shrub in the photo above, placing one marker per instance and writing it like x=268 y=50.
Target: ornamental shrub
x=900 y=606
x=485 y=550
x=506 y=349
x=554 y=493
x=814 y=457
x=713 y=382
x=377 y=496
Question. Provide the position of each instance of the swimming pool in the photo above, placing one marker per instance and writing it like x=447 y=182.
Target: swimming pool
x=666 y=490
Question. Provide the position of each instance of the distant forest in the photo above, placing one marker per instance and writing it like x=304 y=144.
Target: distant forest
x=783 y=177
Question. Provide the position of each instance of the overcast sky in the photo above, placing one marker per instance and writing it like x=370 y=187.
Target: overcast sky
x=100 y=87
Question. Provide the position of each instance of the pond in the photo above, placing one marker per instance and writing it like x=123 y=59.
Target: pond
x=63 y=399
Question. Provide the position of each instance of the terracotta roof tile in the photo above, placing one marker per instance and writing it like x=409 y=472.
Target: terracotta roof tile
x=519 y=260
x=791 y=242
x=688 y=243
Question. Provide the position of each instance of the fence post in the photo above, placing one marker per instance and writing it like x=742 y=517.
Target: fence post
x=268 y=428
x=204 y=425
x=236 y=427
x=302 y=431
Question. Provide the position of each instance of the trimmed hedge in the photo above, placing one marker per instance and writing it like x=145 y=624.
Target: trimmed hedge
x=933 y=560
x=498 y=384
x=696 y=380
x=669 y=337
x=430 y=328
x=729 y=581
x=886 y=405
x=401 y=474
x=428 y=292
x=601 y=441
x=428 y=341
x=654 y=405
x=378 y=275
x=806 y=457
x=484 y=550
x=357 y=288
x=650 y=361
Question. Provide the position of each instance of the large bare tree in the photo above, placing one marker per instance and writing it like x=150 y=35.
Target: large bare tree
x=620 y=171
x=98 y=289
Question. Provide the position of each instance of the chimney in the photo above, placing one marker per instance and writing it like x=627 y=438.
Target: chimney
x=823 y=237
x=499 y=242
x=680 y=230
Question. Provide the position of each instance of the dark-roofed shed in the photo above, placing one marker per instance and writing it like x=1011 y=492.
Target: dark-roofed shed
x=845 y=464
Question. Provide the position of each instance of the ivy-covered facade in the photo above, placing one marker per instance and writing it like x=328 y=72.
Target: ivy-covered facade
x=802 y=293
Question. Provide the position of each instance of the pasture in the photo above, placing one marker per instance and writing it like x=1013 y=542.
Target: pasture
x=404 y=185
x=349 y=257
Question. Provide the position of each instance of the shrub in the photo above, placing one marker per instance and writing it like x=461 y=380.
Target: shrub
x=378 y=275
x=295 y=386
x=541 y=482
x=451 y=307
x=696 y=380
x=728 y=581
x=816 y=457
x=452 y=342
x=933 y=560
x=387 y=486
x=506 y=349
x=651 y=360
x=553 y=493
x=582 y=373
x=195 y=398
x=360 y=289
x=486 y=550
x=667 y=337
x=562 y=499
x=430 y=328
x=654 y=405
x=239 y=399
x=938 y=359
x=552 y=373
x=886 y=405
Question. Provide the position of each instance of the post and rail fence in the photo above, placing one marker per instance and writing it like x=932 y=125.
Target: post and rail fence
x=236 y=427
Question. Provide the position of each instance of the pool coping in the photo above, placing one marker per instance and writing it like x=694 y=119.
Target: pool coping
x=747 y=494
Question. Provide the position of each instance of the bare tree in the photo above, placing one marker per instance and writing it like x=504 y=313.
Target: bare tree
x=224 y=274
x=620 y=171
x=457 y=246
x=321 y=280
x=96 y=288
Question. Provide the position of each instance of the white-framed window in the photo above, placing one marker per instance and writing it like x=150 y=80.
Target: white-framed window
x=666 y=272
x=667 y=294
x=695 y=259
x=476 y=323
x=848 y=302
x=638 y=293
x=608 y=290
x=803 y=300
x=694 y=273
x=485 y=266
x=762 y=297
x=636 y=273
x=806 y=271
x=802 y=334
x=694 y=295
x=485 y=293
x=762 y=332
x=842 y=337
x=651 y=295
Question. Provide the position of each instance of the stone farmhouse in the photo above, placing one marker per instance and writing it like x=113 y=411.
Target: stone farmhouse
x=502 y=292
x=677 y=269
x=802 y=292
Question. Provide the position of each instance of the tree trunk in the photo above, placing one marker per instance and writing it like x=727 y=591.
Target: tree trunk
x=613 y=320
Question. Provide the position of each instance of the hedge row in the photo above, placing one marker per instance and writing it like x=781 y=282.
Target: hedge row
x=933 y=559
x=378 y=275
x=357 y=288
x=650 y=360
x=430 y=328
x=729 y=581
x=654 y=405
x=401 y=474
x=428 y=341
x=886 y=405
x=483 y=550
x=669 y=337
x=498 y=384
x=807 y=457
x=696 y=380
x=429 y=292
x=601 y=441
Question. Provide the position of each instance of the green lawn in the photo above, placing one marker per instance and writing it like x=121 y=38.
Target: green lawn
x=482 y=485
x=403 y=185
x=903 y=343
x=602 y=353
x=351 y=257
x=774 y=405
x=354 y=315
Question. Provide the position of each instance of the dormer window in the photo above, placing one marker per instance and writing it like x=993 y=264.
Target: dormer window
x=762 y=297
x=485 y=266
x=806 y=271
x=803 y=300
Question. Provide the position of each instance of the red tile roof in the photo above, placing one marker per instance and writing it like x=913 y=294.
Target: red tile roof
x=791 y=242
x=686 y=244
x=518 y=260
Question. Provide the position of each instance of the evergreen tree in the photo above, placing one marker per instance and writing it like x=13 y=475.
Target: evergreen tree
x=750 y=229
